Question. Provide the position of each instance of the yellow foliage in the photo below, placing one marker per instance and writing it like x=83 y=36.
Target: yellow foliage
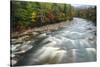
x=34 y=15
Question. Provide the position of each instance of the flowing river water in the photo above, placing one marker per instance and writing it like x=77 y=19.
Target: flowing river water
x=73 y=43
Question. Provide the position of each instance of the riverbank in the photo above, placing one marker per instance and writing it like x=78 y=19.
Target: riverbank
x=38 y=30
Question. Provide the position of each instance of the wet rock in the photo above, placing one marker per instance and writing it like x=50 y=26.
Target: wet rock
x=21 y=48
x=13 y=40
x=34 y=33
x=13 y=62
x=12 y=55
x=17 y=41
x=20 y=40
x=15 y=47
x=41 y=35
x=23 y=38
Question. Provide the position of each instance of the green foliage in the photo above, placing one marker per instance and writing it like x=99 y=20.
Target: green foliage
x=25 y=14
x=88 y=13
x=29 y=14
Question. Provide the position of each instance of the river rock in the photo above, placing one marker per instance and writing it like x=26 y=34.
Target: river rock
x=41 y=35
x=13 y=62
x=35 y=33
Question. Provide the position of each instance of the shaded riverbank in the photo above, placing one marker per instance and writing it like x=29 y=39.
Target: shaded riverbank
x=38 y=30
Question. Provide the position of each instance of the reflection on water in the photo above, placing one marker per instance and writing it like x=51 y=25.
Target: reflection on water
x=74 y=43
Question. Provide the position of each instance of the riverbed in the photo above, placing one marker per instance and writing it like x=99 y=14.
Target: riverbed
x=75 y=42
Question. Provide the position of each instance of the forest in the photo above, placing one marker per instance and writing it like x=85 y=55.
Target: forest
x=26 y=15
x=88 y=13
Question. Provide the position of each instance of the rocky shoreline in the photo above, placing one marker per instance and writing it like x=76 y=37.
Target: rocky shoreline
x=22 y=42
x=38 y=30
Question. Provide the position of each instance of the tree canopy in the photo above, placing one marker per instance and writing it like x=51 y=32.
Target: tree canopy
x=26 y=15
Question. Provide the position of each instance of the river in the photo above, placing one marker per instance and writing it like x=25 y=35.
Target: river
x=72 y=43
